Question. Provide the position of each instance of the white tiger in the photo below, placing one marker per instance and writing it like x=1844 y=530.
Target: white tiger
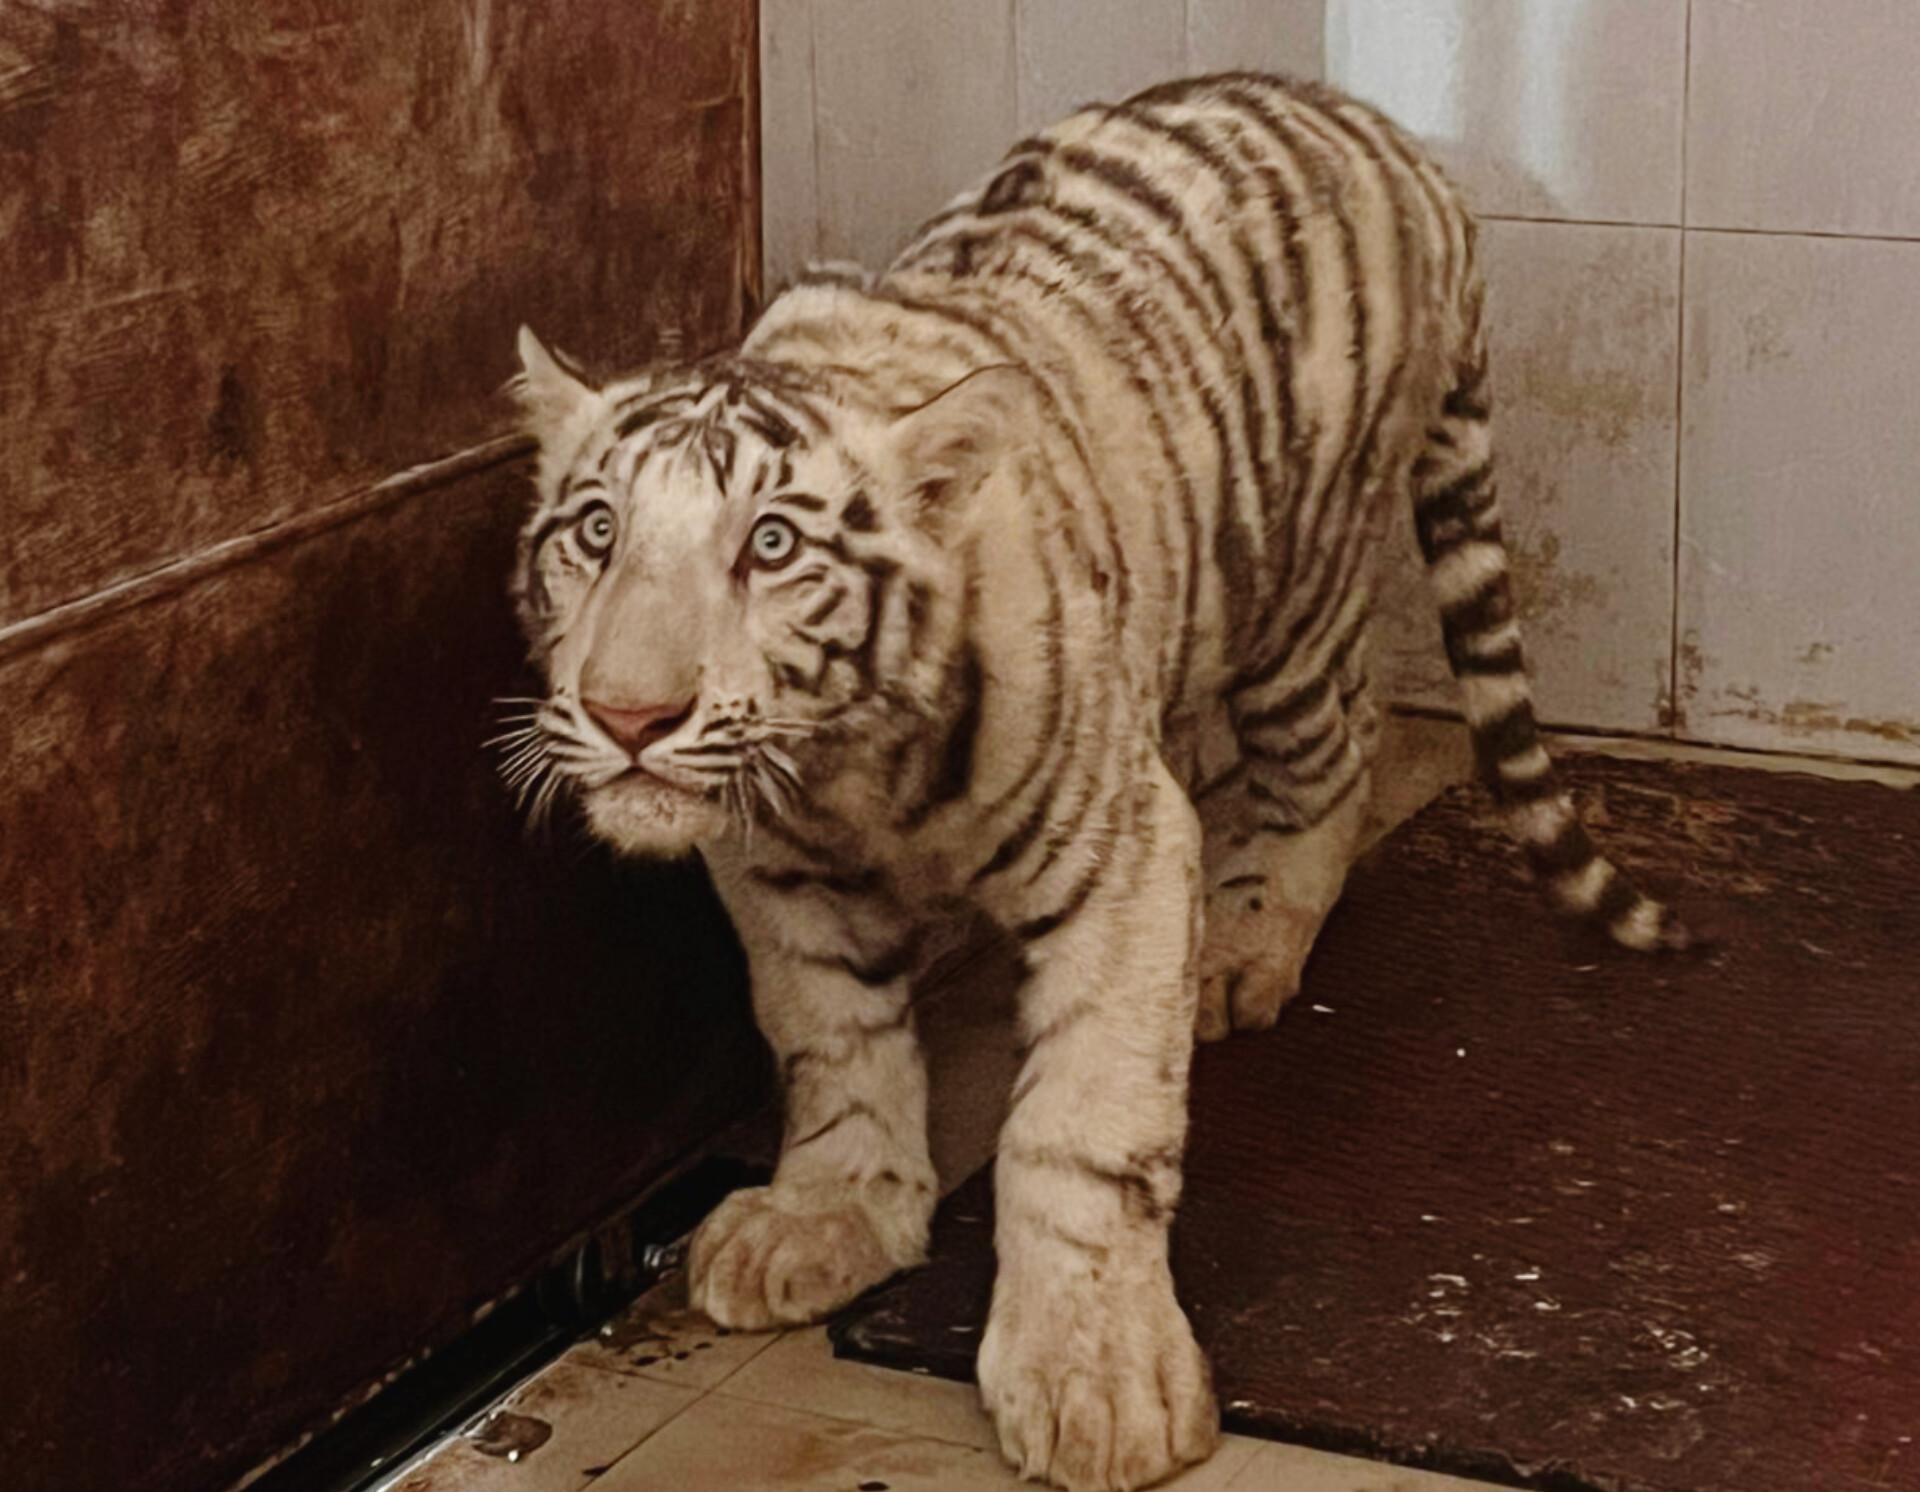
x=1034 y=576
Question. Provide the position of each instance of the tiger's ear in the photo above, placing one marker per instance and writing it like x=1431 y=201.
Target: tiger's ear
x=952 y=442
x=550 y=394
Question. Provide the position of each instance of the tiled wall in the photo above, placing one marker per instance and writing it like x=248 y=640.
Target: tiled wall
x=876 y=111
x=1703 y=236
x=1705 y=258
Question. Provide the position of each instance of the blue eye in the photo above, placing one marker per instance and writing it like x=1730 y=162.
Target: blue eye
x=773 y=543
x=597 y=529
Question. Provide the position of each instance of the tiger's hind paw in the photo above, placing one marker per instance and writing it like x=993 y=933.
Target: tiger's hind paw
x=1250 y=966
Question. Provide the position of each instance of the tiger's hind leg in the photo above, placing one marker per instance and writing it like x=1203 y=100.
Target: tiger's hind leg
x=1280 y=831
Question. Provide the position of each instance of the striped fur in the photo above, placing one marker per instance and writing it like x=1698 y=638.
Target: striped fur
x=1034 y=574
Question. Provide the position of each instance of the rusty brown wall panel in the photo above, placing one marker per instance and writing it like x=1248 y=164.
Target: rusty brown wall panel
x=306 y=1051
x=254 y=253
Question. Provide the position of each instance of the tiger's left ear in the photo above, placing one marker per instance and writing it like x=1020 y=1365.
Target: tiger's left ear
x=951 y=443
x=550 y=394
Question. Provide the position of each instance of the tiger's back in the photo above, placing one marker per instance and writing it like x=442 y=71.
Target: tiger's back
x=1255 y=310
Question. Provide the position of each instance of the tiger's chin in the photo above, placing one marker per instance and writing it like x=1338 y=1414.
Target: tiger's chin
x=640 y=815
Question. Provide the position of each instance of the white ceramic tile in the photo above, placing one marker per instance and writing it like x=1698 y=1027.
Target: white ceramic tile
x=913 y=99
x=1074 y=52
x=1800 y=495
x=589 y=1419
x=789 y=199
x=1541 y=108
x=1289 y=1468
x=1801 y=116
x=1585 y=335
x=658 y=1337
x=1285 y=36
x=726 y=1443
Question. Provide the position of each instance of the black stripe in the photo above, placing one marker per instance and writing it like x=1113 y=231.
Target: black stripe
x=1235 y=548
x=1299 y=749
x=1167 y=344
x=1123 y=177
x=1506 y=736
x=1487 y=608
x=858 y=514
x=860 y=883
x=1038 y=927
x=1456 y=513
x=983 y=327
x=1014 y=187
x=883 y=968
x=953 y=768
x=1568 y=851
x=1287 y=711
x=640 y=418
x=1505 y=659
x=1061 y=1023
x=826 y=607
x=1618 y=899
x=855 y=1110
x=1345 y=477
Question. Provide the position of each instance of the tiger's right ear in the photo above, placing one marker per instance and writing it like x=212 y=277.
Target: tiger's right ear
x=958 y=437
x=549 y=393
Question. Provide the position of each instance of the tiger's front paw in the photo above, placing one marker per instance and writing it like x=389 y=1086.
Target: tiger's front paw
x=1096 y=1387
x=755 y=1264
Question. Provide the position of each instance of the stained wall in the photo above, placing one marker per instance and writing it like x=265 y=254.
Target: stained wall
x=307 y=1052
x=1703 y=242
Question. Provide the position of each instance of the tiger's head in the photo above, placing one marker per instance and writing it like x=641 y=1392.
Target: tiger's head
x=738 y=582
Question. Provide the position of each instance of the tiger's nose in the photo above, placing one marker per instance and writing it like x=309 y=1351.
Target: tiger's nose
x=636 y=727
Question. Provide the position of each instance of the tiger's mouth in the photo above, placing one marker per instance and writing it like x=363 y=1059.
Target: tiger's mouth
x=643 y=812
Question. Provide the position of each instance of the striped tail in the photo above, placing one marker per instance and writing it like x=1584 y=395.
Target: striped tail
x=1457 y=518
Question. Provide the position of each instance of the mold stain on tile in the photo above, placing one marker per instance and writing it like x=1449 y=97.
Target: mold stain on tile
x=1544 y=592
x=1811 y=717
x=1677 y=700
x=1766 y=341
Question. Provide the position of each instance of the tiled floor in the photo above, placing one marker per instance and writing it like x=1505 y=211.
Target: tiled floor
x=743 y=1413
x=661 y=1402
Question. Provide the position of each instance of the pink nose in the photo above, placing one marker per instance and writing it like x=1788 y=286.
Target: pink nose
x=636 y=727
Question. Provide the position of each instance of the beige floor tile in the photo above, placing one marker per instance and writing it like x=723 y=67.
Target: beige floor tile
x=658 y=1337
x=1292 y=1468
x=727 y=1443
x=801 y=1372
x=556 y=1433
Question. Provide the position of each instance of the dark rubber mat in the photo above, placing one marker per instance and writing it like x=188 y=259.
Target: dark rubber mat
x=1499 y=1200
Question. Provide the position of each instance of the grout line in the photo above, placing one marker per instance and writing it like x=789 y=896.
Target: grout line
x=1814 y=233
x=816 y=239
x=110 y=601
x=1676 y=703
x=1764 y=758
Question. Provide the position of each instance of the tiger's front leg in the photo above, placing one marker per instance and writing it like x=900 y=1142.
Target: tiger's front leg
x=853 y=1194
x=1089 y=1367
